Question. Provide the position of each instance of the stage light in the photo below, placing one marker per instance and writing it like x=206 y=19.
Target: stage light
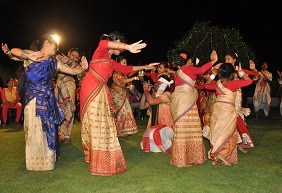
x=57 y=38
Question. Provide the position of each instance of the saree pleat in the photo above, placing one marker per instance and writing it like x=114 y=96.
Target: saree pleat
x=66 y=98
x=100 y=144
x=223 y=129
x=125 y=121
x=188 y=145
x=39 y=157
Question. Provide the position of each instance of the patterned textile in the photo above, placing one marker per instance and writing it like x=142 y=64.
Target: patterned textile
x=211 y=98
x=125 y=121
x=38 y=85
x=65 y=94
x=161 y=113
x=100 y=144
x=39 y=157
x=223 y=130
x=42 y=115
x=101 y=147
x=164 y=113
x=262 y=94
x=245 y=140
x=188 y=146
x=158 y=138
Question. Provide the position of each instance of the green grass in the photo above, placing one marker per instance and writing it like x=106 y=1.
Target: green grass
x=258 y=171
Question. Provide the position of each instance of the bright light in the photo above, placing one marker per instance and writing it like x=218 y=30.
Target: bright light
x=57 y=38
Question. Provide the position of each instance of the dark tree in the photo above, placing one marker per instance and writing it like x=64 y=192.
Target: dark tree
x=203 y=38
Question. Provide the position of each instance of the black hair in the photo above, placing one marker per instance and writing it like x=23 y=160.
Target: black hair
x=120 y=58
x=226 y=70
x=110 y=80
x=38 y=44
x=234 y=56
x=9 y=79
x=164 y=63
x=172 y=66
x=74 y=50
x=183 y=56
x=113 y=36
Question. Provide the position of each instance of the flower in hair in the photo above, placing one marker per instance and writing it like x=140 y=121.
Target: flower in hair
x=105 y=35
x=183 y=55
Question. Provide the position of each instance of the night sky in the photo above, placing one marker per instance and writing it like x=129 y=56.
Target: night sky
x=81 y=23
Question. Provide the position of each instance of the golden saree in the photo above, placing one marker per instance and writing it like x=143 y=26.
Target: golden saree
x=65 y=94
x=223 y=130
x=102 y=150
x=188 y=145
x=125 y=121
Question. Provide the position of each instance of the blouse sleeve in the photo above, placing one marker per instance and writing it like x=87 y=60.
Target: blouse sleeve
x=235 y=84
x=193 y=71
x=250 y=72
x=121 y=68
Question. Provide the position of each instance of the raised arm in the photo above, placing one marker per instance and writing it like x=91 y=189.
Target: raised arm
x=8 y=52
x=74 y=71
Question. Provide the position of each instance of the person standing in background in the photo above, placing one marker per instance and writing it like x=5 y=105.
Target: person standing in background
x=65 y=93
x=262 y=94
x=244 y=140
x=125 y=121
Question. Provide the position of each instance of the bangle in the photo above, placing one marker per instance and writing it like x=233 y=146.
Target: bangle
x=24 y=55
x=146 y=89
x=135 y=78
x=212 y=76
x=241 y=74
x=82 y=69
x=9 y=52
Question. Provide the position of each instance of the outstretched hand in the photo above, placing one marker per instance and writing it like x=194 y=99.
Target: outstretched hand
x=35 y=56
x=213 y=56
x=136 y=47
x=239 y=69
x=152 y=65
x=5 y=48
x=215 y=68
x=63 y=58
x=252 y=65
x=84 y=63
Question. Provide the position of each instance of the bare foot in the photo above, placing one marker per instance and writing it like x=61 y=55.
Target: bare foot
x=214 y=162
x=242 y=149
x=223 y=160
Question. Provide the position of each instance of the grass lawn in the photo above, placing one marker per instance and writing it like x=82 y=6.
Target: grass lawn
x=258 y=171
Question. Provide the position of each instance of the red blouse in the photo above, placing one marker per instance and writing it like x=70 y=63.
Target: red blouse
x=192 y=72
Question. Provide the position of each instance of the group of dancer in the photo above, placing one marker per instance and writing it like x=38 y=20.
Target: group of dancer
x=105 y=117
